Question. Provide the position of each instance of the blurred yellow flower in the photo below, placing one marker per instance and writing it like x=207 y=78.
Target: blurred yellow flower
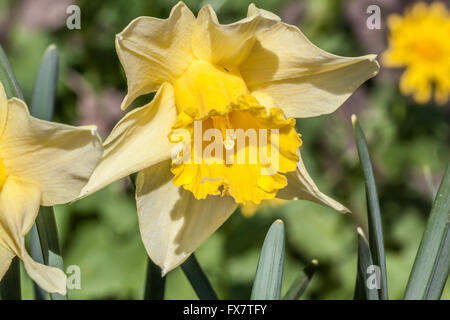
x=255 y=74
x=420 y=42
x=249 y=209
x=41 y=163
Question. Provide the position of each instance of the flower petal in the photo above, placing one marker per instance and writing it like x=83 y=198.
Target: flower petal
x=19 y=205
x=6 y=257
x=302 y=187
x=153 y=50
x=138 y=141
x=300 y=78
x=173 y=223
x=58 y=157
x=227 y=44
x=253 y=11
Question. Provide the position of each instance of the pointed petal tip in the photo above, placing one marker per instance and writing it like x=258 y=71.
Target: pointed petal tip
x=164 y=272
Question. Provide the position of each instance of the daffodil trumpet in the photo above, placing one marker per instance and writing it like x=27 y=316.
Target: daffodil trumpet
x=41 y=163
x=252 y=75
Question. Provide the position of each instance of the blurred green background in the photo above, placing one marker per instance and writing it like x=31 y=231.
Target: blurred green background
x=409 y=145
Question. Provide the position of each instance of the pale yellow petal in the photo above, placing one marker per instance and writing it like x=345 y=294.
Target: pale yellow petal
x=138 y=141
x=253 y=11
x=153 y=50
x=227 y=45
x=58 y=157
x=173 y=223
x=284 y=69
x=50 y=279
x=19 y=205
x=6 y=257
x=302 y=187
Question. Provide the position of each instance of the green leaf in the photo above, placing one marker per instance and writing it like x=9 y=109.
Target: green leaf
x=154 y=284
x=376 y=242
x=198 y=279
x=48 y=236
x=269 y=274
x=300 y=284
x=42 y=106
x=432 y=265
x=36 y=254
x=8 y=79
x=362 y=291
x=10 y=284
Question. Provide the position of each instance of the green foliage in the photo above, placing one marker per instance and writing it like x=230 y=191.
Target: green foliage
x=101 y=234
x=432 y=264
x=269 y=274
x=376 y=242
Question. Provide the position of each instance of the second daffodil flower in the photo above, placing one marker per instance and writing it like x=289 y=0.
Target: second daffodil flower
x=222 y=85
x=41 y=163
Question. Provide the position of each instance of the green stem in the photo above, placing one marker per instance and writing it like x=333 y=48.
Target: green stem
x=198 y=279
x=154 y=284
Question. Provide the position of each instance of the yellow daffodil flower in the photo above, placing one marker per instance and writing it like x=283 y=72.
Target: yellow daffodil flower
x=419 y=41
x=217 y=82
x=41 y=163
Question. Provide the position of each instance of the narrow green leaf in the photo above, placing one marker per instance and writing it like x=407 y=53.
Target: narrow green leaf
x=198 y=279
x=300 y=284
x=362 y=291
x=48 y=236
x=7 y=78
x=154 y=284
x=42 y=107
x=10 y=284
x=36 y=254
x=432 y=265
x=45 y=86
x=376 y=242
x=269 y=274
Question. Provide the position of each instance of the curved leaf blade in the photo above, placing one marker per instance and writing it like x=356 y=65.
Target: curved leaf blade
x=432 y=264
x=301 y=283
x=269 y=274
x=362 y=291
x=376 y=242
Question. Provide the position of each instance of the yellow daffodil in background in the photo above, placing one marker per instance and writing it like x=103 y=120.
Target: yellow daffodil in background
x=256 y=74
x=41 y=163
x=420 y=42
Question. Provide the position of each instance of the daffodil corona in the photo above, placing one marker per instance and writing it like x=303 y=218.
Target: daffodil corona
x=220 y=130
x=41 y=163
x=419 y=41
